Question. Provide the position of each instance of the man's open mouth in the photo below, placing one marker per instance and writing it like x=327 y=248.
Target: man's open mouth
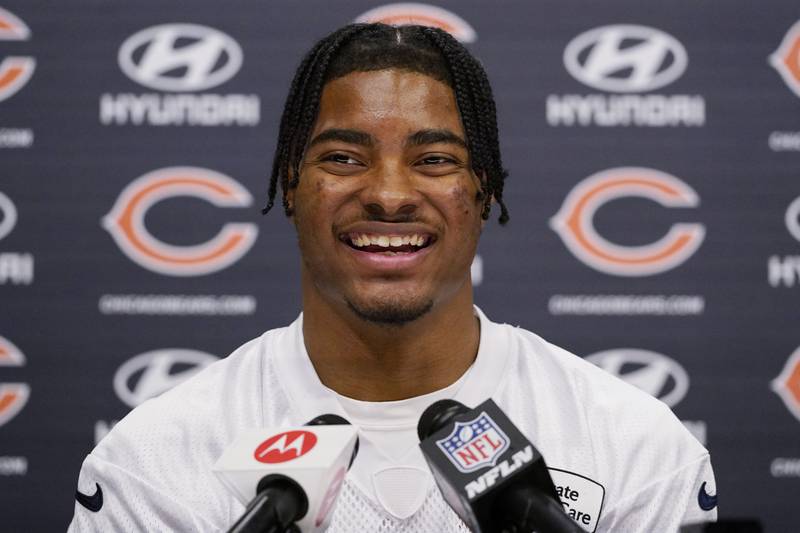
x=388 y=244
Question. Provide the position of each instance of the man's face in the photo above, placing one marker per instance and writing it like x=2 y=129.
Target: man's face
x=387 y=209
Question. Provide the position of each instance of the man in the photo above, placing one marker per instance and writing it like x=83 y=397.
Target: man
x=389 y=165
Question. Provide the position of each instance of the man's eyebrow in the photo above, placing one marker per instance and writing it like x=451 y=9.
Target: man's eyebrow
x=343 y=135
x=435 y=136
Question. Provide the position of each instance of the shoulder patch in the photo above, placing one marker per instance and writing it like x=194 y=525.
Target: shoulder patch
x=581 y=497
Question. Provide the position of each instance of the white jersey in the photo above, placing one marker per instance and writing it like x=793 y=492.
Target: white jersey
x=620 y=459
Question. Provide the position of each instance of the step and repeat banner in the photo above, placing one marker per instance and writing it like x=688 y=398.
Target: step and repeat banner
x=654 y=191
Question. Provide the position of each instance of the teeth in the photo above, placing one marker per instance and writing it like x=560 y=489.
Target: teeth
x=384 y=241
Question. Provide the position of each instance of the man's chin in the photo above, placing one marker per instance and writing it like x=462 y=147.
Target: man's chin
x=390 y=313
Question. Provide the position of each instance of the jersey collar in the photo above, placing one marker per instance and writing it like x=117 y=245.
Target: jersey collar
x=308 y=397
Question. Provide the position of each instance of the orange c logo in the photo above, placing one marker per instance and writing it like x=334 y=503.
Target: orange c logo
x=13 y=396
x=786 y=59
x=15 y=71
x=574 y=222
x=423 y=14
x=125 y=222
x=787 y=384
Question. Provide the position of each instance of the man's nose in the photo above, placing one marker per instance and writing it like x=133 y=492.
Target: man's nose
x=390 y=191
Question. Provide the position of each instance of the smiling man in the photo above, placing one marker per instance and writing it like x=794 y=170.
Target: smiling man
x=388 y=164
x=388 y=214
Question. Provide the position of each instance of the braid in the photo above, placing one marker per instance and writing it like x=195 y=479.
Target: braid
x=300 y=112
x=495 y=179
x=369 y=47
x=313 y=92
x=478 y=115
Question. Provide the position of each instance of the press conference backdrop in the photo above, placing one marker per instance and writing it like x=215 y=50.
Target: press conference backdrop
x=654 y=190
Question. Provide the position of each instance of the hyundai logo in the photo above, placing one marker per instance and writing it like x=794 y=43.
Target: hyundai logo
x=180 y=57
x=654 y=373
x=793 y=218
x=8 y=215
x=625 y=58
x=149 y=374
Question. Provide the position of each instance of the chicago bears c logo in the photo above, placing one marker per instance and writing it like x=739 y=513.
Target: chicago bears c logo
x=574 y=222
x=15 y=71
x=13 y=396
x=125 y=222
x=786 y=59
x=424 y=15
x=787 y=384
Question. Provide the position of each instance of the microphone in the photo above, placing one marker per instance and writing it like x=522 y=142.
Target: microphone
x=288 y=478
x=489 y=472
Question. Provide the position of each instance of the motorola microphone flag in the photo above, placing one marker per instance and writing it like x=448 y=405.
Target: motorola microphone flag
x=309 y=462
x=488 y=471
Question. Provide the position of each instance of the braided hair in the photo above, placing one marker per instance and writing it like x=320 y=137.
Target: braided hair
x=371 y=47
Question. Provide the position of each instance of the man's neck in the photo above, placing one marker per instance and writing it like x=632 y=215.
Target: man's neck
x=375 y=362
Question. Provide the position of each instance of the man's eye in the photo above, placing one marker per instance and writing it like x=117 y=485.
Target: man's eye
x=436 y=160
x=341 y=158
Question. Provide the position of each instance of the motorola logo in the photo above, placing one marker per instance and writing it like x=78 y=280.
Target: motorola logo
x=625 y=58
x=652 y=372
x=180 y=57
x=285 y=447
x=151 y=373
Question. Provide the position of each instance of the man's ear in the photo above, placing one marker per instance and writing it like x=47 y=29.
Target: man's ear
x=288 y=202
x=485 y=202
x=289 y=189
x=481 y=178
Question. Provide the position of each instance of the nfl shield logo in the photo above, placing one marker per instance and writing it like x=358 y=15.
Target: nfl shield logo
x=474 y=444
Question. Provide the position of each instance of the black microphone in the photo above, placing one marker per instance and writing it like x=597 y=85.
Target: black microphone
x=278 y=504
x=289 y=479
x=489 y=472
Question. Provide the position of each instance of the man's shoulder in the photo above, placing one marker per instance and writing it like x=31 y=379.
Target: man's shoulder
x=591 y=425
x=593 y=404
x=171 y=442
x=194 y=421
x=549 y=365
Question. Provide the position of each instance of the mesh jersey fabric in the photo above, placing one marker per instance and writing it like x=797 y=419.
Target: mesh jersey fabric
x=390 y=469
x=621 y=457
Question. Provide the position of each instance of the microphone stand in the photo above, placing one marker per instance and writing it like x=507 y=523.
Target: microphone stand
x=278 y=504
x=527 y=509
